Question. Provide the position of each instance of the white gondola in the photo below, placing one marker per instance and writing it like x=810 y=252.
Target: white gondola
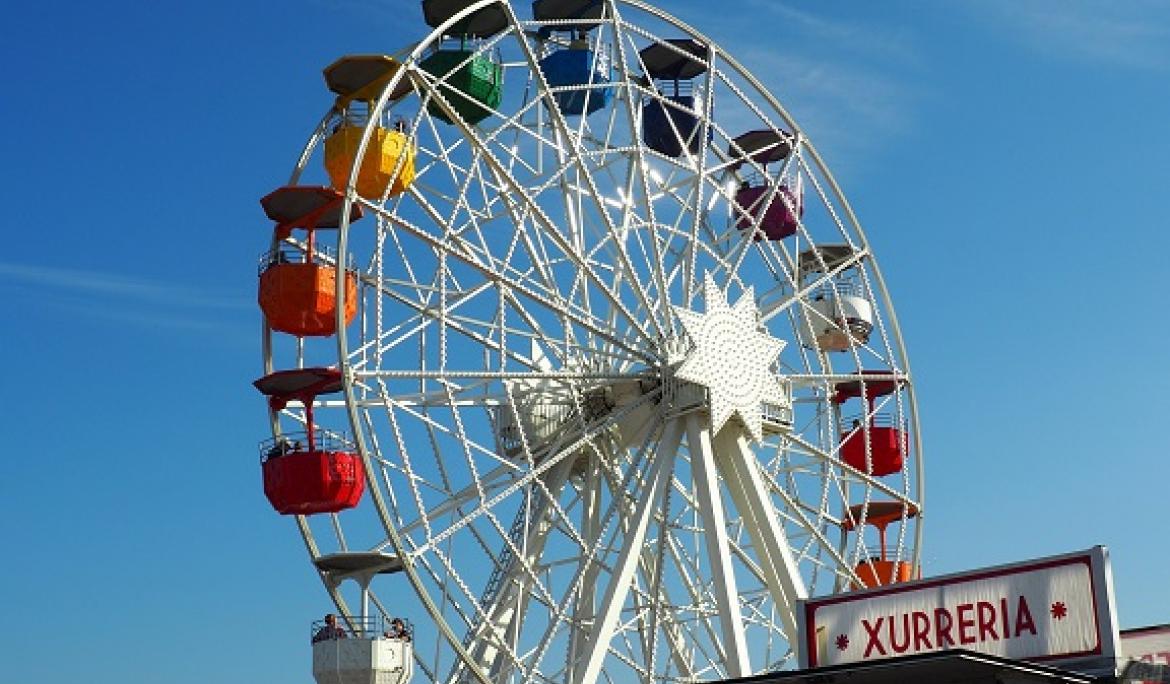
x=837 y=314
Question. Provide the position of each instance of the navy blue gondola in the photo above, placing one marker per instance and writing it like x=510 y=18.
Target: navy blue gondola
x=661 y=120
x=671 y=124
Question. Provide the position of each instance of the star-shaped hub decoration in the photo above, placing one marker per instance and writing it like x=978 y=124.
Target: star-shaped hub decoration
x=731 y=357
x=1059 y=610
x=842 y=642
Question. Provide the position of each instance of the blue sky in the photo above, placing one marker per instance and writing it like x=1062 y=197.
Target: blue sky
x=1007 y=160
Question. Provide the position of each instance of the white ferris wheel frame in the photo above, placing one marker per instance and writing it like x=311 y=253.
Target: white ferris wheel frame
x=723 y=457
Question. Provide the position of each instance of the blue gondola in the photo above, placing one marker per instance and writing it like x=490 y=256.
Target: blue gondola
x=585 y=74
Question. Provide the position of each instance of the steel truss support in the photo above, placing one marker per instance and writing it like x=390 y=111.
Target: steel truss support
x=621 y=580
x=737 y=466
x=510 y=603
x=584 y=609
x=710 y=504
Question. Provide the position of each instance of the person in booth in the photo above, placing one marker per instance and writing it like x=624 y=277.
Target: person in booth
x=397 y=630
x=281 y=447
x=330 y=631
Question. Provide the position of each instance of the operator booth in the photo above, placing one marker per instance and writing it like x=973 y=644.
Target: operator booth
x=360 y=649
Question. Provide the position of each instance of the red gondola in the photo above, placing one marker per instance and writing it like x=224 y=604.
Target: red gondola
x=884 y=440
x=323 y=474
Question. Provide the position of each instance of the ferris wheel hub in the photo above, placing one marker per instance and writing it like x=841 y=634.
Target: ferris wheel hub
x=732 y=357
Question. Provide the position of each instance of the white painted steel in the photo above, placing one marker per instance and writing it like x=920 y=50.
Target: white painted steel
x=363 y=661
x=620 y=581
x=740 y=472
x=512 y=381
x=710 y=504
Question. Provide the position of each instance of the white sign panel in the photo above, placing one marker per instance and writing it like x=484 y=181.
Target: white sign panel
x=1147 y=644
x=1055 y=608
x=1150 y=648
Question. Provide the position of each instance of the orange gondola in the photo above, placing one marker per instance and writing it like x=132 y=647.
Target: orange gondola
x=880 y=571
x=298 y=286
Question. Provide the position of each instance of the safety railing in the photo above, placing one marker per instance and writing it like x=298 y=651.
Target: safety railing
x=369 y=627
x=285 y=253
x=857 y=422
x=837 y=288
x=289 y=443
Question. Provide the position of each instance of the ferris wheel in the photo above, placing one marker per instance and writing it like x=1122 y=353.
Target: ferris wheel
x=577 y=356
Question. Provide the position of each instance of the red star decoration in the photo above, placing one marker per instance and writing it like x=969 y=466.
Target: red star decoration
x=842 y=642
x=1059 y=610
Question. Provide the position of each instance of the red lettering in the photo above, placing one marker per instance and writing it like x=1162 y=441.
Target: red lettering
x=986 y=621
x=875 y=642
x=921 y=630
x=966 y=623
x=1165 y=656
x=1148 y=658
x=1003 y=614
x=942 y=628
x=905 y=645
x=1024 y=618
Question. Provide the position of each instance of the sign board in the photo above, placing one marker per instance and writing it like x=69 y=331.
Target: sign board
x=1147 y=644
x=1149 y=647
x=1056 y=610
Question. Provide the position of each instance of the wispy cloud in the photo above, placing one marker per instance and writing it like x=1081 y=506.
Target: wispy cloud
x=99 y=285
x=843 y=81
x=886 y=43
x=843 y=105
x=115 y=297
x=1134 y=34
